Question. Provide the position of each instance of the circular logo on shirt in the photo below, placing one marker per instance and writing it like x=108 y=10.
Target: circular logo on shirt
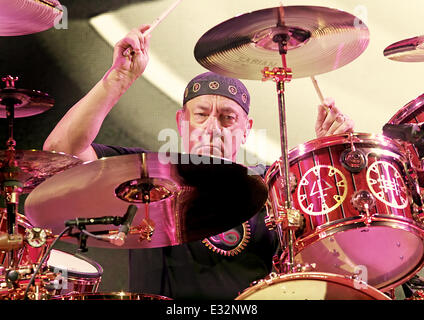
x=231 y=242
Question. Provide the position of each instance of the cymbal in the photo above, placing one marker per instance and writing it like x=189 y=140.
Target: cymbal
x=408 y=50
x=22 y=17
x=191 y=197
x=27 y=102
x=36 y=166
x=321 y=40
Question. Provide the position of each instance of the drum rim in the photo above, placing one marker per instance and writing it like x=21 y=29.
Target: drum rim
x=344 y=138
x=95 y=264
x=110 y=293
x=342 y=225
x=407 y=110
x=310 y=275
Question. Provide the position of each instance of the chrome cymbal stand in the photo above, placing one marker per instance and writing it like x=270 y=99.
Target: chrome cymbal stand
x=11 y=187
x=287 y=217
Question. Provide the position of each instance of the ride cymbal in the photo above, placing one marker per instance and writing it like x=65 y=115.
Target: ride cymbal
x=321 y=40
x=189 y=198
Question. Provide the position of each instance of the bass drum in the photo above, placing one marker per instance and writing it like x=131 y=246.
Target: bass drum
x=310 y=286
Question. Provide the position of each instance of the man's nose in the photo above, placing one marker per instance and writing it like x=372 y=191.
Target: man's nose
x=213 y=126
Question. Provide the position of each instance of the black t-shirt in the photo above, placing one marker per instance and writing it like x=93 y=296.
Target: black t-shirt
x=219 y=267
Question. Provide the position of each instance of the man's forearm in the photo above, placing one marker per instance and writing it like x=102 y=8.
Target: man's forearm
x=79 y=127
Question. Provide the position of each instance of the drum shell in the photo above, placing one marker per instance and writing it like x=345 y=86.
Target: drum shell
x=340 y=215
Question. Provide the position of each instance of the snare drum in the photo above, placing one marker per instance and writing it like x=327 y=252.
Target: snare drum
x=310 y=286
x=75 y=273
x=353 y=191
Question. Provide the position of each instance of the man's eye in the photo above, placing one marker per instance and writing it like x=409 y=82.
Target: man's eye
x=229 y=118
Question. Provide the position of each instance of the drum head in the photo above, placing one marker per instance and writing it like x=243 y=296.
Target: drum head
x=311 y=286
x=383 y=256
x=79 y=266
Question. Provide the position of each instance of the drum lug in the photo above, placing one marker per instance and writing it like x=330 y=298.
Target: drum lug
x=353 y=160
x=363 y=201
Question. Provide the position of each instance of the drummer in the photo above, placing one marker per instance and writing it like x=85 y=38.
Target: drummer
x=215 y=107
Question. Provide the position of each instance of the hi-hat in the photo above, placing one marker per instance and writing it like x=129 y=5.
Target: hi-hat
x=22 y=17
x=408 y=50
x=35 y=166
x=190 y=197
x=321 y=40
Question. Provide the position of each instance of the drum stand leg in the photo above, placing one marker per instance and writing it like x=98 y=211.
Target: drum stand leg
x=11 y=188
x=281 y=76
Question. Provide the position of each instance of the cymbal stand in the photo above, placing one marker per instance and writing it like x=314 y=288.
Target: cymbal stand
x=11 y=187
x=287 y=217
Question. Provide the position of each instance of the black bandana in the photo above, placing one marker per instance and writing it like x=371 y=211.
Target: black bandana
x=212 y=83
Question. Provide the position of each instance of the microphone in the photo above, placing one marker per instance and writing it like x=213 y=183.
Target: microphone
x=99 y=220
x=119 y=238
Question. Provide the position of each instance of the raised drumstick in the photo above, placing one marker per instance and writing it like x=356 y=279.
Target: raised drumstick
x=156 y=22
x=161 y=17
x=317 y=89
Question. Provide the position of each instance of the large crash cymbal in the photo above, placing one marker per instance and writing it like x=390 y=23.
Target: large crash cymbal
x=408 y=50
x=321 y=40
x=35 y=166
x=22 y=17
x=26 y=102
x=191 y=197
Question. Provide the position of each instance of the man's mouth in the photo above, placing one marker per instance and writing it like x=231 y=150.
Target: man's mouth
x=208 y=149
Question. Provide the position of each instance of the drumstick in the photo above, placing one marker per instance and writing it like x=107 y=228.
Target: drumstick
x=161 y=17
x=157 y=22
x=317 y=89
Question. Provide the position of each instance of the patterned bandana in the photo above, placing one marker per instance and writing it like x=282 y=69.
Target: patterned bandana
x=212 y=83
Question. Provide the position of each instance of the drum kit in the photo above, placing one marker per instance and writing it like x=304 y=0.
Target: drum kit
x=347 y=209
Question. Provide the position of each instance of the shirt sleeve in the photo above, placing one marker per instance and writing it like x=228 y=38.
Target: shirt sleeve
x=110 y=151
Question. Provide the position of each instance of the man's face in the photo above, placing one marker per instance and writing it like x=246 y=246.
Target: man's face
x=213 y=125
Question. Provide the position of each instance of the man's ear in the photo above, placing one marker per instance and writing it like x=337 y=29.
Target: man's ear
x=179 y=117
x=249 y=125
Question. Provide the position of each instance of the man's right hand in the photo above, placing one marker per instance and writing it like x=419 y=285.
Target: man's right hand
x=130 y=56
x=78 y=128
